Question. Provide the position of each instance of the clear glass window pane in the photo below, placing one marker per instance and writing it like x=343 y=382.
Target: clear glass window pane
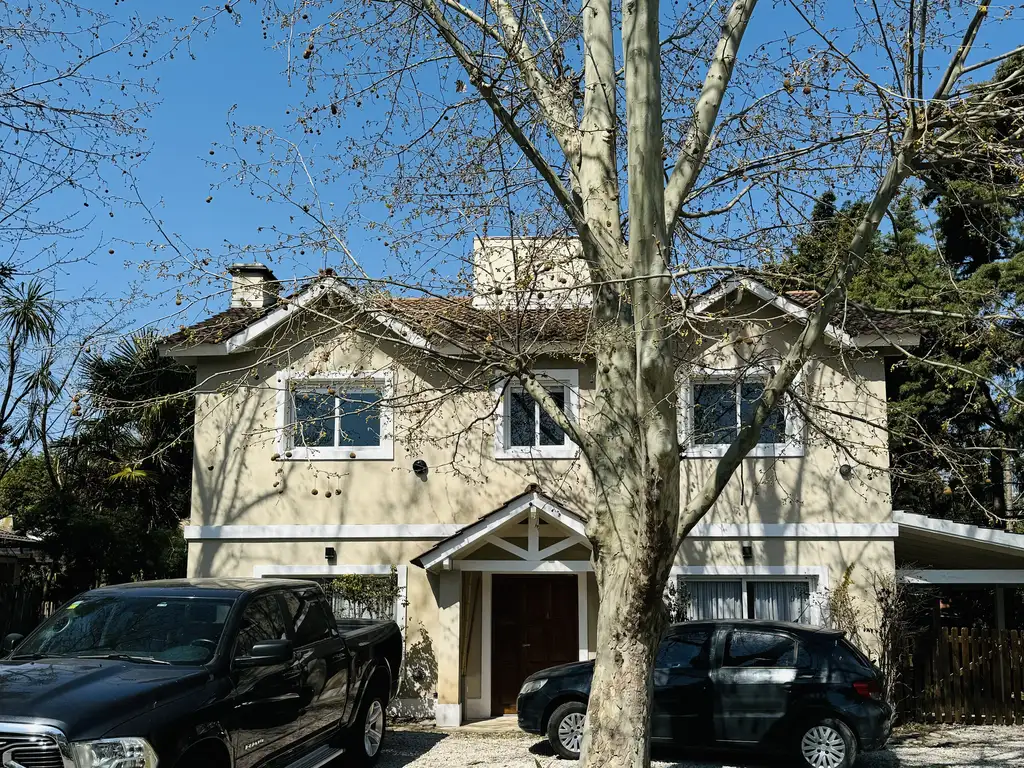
x=522 y=419
x=550 y=432
x=360 y=418
x=774 y=429
x=314 y=418
x=714 y=413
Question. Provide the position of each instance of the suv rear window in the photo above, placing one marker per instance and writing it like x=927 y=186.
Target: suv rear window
x=846 y=657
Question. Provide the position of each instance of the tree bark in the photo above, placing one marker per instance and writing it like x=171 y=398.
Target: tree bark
x=629 y=628
x=637 y=472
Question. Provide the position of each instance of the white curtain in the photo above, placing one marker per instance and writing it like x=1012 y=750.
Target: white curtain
x=782 y=601
x=714 y=599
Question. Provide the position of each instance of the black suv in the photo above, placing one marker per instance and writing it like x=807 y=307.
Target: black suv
x=787 y=687
x=201 y=673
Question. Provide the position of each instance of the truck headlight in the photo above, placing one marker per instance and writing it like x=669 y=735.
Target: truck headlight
x=130 y=752
x=533 y=685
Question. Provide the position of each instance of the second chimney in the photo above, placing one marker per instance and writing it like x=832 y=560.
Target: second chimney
x=252 y=285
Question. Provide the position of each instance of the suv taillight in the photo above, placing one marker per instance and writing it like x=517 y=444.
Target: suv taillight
x=869 y=689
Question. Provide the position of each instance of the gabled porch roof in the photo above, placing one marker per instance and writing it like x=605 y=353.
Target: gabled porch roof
x=486 y=531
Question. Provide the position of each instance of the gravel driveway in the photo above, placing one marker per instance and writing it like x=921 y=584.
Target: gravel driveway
x=938 y=748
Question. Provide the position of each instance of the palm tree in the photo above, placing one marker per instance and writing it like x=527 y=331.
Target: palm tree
x=28 y=321
x=138 y=429
x=122 y=478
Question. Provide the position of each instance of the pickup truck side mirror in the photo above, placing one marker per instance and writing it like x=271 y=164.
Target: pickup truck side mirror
x=11 y=642
x=267 y=653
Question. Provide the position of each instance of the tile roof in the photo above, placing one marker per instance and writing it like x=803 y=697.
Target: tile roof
x=218 y=327
x=857 y=320
x=455 y=318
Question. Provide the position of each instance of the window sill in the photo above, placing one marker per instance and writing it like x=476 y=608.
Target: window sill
x=546 y=452
x=380 y=453
x=760 y=451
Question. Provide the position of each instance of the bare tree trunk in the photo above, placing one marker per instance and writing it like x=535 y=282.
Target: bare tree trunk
x=630 y=583
x=633 y=530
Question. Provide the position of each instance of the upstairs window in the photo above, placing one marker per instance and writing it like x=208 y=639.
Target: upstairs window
x=524 y=429
x=715 y=406
x=335 y=417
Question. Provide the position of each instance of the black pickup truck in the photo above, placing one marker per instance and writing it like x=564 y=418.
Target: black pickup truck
x=198 y=673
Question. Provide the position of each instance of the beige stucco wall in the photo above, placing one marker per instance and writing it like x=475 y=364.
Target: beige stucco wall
x=238 y=481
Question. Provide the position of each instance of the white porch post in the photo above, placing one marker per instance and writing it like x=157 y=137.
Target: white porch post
x=584 y=623
x=449 y=683
x=485 y=639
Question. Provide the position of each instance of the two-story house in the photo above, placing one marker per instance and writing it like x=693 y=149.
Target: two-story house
x=341 y=432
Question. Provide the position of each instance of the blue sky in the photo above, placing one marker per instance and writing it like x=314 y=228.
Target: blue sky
x=233 y=69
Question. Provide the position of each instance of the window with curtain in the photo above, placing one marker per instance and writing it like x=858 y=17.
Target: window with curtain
x=788 y=600
x=715 y=600
x=781 y=600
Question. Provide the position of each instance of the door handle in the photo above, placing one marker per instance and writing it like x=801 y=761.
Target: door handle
x=526 y=645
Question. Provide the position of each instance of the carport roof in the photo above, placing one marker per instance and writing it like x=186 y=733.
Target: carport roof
x=929 y=542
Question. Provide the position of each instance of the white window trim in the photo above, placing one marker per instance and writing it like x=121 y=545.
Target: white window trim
x=569 y=378
x=816 y=576
x=325 y=571
x=286 y=451
x=792 y=448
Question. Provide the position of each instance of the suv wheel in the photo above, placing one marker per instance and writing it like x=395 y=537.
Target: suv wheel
x=828 y=744
x=565 y=729
x=367 y=734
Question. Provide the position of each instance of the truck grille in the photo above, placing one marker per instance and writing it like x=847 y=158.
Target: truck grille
x=31 y=751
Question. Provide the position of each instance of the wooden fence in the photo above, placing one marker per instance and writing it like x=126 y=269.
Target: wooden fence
x=965 y=675
x=22 y=607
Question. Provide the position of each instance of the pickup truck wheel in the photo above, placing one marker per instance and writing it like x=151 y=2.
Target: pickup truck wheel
x=827 y=744
x=565 y=729
x=366 y=737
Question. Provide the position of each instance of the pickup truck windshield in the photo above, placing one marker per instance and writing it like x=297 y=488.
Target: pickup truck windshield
x=146 y=629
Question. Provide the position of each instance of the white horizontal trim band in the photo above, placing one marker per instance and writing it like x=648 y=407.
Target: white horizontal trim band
x=795 y=531
x=442 y=531
x=325 y=532
x=821 y=571
x=261 y=571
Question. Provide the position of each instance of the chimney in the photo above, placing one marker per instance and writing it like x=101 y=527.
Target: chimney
x=252 y=285
x=529 y=273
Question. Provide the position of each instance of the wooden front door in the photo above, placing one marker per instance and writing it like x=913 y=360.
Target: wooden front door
x=535 y=625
